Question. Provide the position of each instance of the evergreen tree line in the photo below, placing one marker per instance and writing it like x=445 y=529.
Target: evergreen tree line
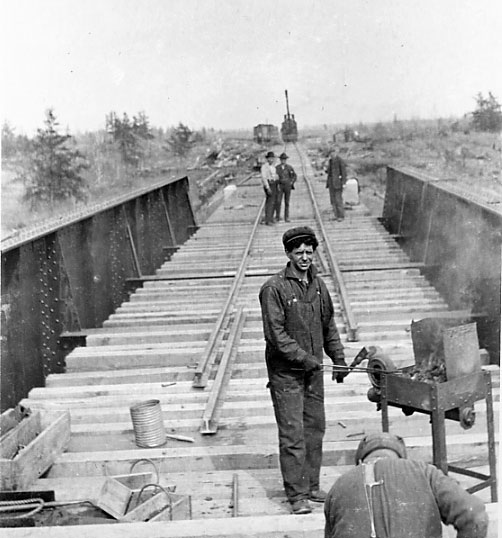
x=54 y=166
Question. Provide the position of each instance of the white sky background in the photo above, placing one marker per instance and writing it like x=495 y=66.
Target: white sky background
x=225 y=63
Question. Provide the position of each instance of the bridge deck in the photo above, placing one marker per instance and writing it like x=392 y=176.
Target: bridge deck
x=149 y=347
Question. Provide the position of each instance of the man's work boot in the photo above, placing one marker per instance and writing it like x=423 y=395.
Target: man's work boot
x=301 y=507
x=317 y=495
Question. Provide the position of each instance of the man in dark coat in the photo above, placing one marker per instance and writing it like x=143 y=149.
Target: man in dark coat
x=389 y=496
x=337 y=177
x=286 y=183
x=298 y=322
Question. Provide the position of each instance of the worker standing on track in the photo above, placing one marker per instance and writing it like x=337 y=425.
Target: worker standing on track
x=389 y=496
x=337 y=177
x=298 y=323
x=269 y=181
x=287 y=177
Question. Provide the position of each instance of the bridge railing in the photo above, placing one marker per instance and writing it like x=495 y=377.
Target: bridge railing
x=71 y=275
x=458 y=238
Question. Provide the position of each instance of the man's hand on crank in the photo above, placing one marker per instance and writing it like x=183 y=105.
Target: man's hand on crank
x=339 y=374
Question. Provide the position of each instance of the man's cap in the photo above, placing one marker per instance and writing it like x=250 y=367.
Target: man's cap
x=283 y=156
x=376 y=441
x=269 y=154
x=301 y=232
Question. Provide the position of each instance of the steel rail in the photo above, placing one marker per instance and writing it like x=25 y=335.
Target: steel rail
x=35 y=231
x=209 y=424
x=201 y=374
x=352 y=328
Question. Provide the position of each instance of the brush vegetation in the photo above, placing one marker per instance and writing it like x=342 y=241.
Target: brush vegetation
x=54 y=173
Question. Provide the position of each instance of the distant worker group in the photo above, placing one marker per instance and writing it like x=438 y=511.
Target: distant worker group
x=278 y=182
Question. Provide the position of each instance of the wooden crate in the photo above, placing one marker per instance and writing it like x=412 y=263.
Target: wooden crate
x=119 y=491
x=161 y=508
x=30 y=448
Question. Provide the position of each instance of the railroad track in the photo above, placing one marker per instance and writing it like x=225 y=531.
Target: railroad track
x=192 y=338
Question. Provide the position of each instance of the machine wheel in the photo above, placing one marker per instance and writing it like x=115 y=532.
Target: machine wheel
x=379 y=363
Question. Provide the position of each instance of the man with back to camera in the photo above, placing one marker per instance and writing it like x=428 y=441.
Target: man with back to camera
x=298 y=323
x=269 y=182
x=389 y=496
x=287 y=177
x=336 y=179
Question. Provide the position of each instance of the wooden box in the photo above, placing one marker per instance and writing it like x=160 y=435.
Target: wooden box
x=162 y=506
x=119 y=491
x=30 y=448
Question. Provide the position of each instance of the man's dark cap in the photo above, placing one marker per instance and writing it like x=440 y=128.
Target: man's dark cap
x=269 y=154
x=283 y=156
x=301 y=232
x=376 y=441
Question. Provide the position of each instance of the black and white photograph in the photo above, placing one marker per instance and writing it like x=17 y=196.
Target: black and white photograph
x=251 y=268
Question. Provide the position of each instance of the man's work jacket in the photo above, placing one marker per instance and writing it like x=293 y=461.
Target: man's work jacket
x=337 y=174
x=298 y=321
x=286 y=173
x=413 y=500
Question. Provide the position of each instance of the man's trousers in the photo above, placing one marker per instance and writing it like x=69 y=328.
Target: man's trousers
x=298 y=402
x=270 y=202
x=336 y=198
x=283 y=189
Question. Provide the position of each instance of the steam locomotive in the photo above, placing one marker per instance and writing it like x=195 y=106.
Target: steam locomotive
x=289 y=129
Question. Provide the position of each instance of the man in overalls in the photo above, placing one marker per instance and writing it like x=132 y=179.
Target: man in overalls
x=387 y=495
x=298 y=322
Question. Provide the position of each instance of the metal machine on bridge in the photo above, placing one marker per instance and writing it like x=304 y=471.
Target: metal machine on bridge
x=289 y=129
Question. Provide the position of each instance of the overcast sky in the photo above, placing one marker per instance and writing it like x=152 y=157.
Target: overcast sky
x=226 y=63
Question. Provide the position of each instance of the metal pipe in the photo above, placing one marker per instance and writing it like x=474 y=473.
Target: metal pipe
x=147 y=423
x=235 y=495
x=349 y=369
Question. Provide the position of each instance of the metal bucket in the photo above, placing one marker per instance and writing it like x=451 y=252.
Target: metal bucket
x=147 y=423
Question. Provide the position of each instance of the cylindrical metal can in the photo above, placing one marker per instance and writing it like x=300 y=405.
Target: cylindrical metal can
x=147 y=423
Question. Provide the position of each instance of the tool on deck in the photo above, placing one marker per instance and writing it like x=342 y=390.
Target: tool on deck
x=180 y=438
x=235 y=495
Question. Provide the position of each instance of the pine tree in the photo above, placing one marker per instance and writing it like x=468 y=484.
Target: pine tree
x=488 y=114
x=8 y=141
x=181 y=140
x=54 y=169
x=129 y=136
